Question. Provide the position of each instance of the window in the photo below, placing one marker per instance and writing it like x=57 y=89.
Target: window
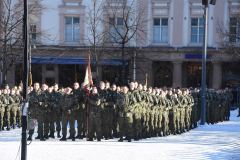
x=197 y=30
x=116 y=29
x=72 y=3
x=33 y=33
x=72 y=29
x=160 y=30
x=234 y=30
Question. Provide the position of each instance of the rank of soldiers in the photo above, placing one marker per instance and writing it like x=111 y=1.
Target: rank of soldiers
x=129 y=112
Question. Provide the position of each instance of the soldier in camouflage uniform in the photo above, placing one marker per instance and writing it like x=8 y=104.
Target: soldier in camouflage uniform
x=159 y=113
x=108 y=112
x=175 y=112
x=115 y=95
x=15 y=107
x=183 y=104
x=167 y=108
x=43 y=125
x=2 y=110
x=55 y=113
x=80 y=112
x=47 y=118
x=195 y=109
x=145 y=115
x=95 y=120
x=67 y=103
x=190 y=103
x=19 y=111
x=103 y=96
x=35 y=109
x=8 y=101
x=137 y=128
x=125 y=115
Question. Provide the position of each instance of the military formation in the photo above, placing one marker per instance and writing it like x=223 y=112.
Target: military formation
x=129 y=113
x=10 y=108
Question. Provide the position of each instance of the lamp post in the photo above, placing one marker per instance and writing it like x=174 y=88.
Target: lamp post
x=25 y=84
x=204 y=59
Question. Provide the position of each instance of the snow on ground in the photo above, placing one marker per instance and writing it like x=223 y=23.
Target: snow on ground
x=213 y=142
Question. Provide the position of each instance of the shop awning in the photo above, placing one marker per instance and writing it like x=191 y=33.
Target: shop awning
x=72 y=60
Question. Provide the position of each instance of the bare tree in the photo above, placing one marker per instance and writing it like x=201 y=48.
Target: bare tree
x=11 y=37
x=125 y=19
x=231 y=36
x=97 y=36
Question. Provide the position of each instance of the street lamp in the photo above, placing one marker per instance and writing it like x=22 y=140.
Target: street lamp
x=204 y=59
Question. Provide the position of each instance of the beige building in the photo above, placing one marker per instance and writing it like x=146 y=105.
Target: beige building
x=167 y=53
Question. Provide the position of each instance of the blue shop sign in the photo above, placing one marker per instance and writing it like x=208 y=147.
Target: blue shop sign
x=195 y=56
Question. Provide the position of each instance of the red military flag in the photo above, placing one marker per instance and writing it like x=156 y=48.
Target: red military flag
x=88 y=75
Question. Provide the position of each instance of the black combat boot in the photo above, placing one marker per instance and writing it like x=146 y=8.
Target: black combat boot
x=78 y=136
x=73 y=138
x=58 y=134
x=29 y=138
x=63 y=138
x=38 y=137
x=46 y=137
x=136 y=138
x=90 y=139
x=98 y=139
x=51 y=135
x=120 y=140
x=8 y=128
x=42 y=139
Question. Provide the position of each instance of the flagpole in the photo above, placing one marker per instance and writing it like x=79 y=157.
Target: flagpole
x=87 y=84
x=146 y=79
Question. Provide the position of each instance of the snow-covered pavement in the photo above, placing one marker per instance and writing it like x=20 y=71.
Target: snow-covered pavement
x=214 y=142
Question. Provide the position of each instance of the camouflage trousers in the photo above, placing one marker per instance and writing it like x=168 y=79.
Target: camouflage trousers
x=40 y=119
x=160 y=122
x=107 y=122
x=194 y=116
x=125 y=125
x=8 y=116
x=55 y=117
x=81 y=117
x=94 y=125
x=46 y=122
x=2 y=111
x=188 y=112
x=16 y=115
x=151 y=123
x=68 y=117
x=175 y=121
x=137 y=125
x=182 y=119
x=165 y=122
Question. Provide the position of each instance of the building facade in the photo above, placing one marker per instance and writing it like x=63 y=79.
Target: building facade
x=167 y=53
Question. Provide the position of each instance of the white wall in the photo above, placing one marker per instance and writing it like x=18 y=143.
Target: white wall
x=50 y=22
